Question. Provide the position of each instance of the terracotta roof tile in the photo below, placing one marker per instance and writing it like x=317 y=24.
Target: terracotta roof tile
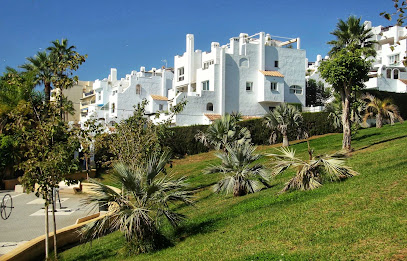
x=213 y=117
x=403 y=81
x=272 y=73
x=159 y=98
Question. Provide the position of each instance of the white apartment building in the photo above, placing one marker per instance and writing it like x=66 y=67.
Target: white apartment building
x=114 y=99
x=251 y=75
x=388 y=72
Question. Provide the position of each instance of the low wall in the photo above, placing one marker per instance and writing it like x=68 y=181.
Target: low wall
x=35 y=249
x=9 y=184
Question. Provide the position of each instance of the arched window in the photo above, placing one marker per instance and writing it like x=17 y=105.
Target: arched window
x=209 y=107
x=138 y=89
x=396 y=73
x=296 y=89
x=244 y=62
x=388 y=73
x=113 y=107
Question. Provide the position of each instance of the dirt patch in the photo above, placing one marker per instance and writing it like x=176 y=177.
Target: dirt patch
x=401 y=255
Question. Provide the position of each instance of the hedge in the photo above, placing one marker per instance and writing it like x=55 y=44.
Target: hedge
x=182 y=141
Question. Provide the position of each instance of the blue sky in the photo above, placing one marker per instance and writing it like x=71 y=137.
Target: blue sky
x=128 y=34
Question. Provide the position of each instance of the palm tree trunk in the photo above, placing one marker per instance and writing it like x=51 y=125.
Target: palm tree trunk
x=238 y=189
x=285 y=140
x=346 y=142
x=47 y=91
x=379 y=120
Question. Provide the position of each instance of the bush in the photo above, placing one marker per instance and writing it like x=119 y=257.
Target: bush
x=399 y=99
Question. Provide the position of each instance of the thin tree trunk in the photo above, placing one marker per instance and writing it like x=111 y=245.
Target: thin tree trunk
x=285 y=141
x=46 y=230
x=347 y=134
x=54 y=223
x=379 y=120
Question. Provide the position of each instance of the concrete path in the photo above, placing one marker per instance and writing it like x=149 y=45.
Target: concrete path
x=27 y=219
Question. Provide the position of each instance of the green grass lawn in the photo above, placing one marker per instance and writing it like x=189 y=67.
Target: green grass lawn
x=362 y=218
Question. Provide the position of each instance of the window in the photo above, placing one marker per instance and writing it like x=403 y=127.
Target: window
x=207 y=63
x=275 y=63
x=249 y=86
x=99 y=96
x=113 y=107
x=395 y=73
x=295 y=89
x=160 y=107
x=181 y=74
x=205 y=86
x=209 y=107
x=388 y=73
x=273 y=86
x=394 y=59
x=138 y=89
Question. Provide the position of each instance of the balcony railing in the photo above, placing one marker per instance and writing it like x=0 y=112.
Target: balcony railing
x=88 y=93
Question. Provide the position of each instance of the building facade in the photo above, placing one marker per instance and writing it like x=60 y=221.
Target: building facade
x=250 y=75
x=114 y=99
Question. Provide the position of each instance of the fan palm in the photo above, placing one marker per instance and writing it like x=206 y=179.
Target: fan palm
x=352 y=35
x=281 y=119
x=40 y=65
x=147 y=196
x=382 y=109
x=241 y=176
x=311 y=173
x=223 y=131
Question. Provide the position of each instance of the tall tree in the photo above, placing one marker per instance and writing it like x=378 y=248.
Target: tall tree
x=352 y=35
x=40 y=65
x=316 y=94
x=283 y=118
x=346 y=72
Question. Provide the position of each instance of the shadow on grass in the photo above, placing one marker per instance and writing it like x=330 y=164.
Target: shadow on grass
x=196 y=228
x=365 y=136
x=380 y=142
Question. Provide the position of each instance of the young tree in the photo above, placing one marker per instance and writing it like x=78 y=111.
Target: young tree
x=346 y=72
x=283 y=118
x=137 y=212
x=310 y=174
x=381 y=109
x=224 y=131
x=241 y=176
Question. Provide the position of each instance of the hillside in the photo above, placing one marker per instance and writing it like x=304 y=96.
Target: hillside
x=362 y=218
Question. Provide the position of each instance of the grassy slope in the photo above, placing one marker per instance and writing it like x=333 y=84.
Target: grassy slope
x=364 y=217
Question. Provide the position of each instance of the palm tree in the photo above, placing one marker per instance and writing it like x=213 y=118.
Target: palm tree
x=312 y=173
x=223 y=131
x=137 y=213
x=382 y=109
x=40 y=65
x=281 y=119
x=352 y=35
x=241 y=176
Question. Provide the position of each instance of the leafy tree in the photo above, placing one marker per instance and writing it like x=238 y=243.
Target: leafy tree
x=146 y=200
x=283 y=118
x=312 y=173
x=241 y=176
x=316 y=94
x=381 y=109
x=352 y=35
x=400 y=10
x=346 y=72
x=224 y=131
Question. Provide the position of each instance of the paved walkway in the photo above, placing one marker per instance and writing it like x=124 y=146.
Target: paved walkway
x=27 y=219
